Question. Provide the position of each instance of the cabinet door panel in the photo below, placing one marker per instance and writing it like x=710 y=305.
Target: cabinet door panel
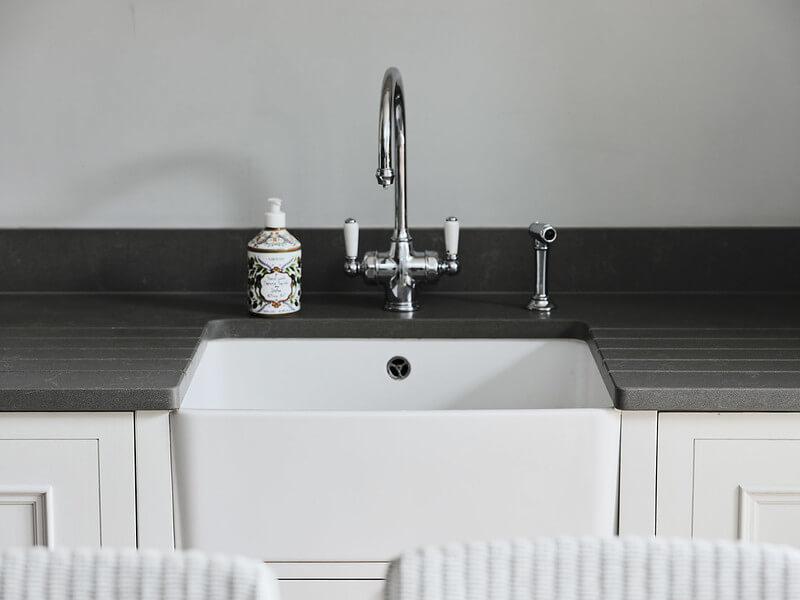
x=724 y=472
x=67 y=479
x=770 y=513
x=729 y=476
x=61 y=473
x=18 y=524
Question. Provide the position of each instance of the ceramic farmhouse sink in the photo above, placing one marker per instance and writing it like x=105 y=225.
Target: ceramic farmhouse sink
x=350 y=450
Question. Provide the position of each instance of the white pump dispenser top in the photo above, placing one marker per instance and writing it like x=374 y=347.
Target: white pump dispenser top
x=274 y=218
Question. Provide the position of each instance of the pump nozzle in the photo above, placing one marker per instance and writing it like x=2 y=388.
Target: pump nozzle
x=274 y=218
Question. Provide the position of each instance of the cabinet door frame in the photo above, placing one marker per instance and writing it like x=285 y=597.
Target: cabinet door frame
x=637 y=473
x=154 y=513
x=113 y=434
x=675 y=473
x=39 y=499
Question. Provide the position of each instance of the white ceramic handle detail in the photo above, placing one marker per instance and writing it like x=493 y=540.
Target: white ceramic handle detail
x=351 y=238
x=451 y=229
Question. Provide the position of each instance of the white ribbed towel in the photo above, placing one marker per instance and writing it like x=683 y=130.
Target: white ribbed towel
x=103 y=574
x=592 y=568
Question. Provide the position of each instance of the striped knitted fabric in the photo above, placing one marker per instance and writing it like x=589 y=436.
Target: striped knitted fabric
x=40 y=574
x=593 y=568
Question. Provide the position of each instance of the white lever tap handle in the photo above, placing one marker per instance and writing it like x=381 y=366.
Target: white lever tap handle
x=351 y=238
x=451 y=229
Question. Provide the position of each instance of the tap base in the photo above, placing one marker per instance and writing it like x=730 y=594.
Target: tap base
x=540 y=304
x=405 y=307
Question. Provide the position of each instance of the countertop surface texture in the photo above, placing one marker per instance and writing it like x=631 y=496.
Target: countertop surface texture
x=134 y=351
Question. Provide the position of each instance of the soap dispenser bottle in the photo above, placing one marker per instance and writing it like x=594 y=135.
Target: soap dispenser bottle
x=274 y=266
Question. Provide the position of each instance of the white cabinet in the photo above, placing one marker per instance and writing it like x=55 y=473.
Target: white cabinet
x=729 y=476
x=67 y=479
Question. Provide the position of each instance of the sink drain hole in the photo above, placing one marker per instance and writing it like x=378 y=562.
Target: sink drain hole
x=398 y=367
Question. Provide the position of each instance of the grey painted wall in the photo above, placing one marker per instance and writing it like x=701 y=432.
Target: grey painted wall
x=595 y=112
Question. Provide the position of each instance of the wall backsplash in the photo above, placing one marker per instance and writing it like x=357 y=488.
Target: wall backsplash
x=492 y=260
x=144 y=113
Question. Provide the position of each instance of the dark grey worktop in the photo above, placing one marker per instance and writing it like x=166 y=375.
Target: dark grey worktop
x=703 y=352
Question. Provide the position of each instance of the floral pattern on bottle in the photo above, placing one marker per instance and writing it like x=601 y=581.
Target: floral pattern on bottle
x=274 y=282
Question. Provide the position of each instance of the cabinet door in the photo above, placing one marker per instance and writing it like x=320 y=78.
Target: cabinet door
x=67 y=479
x=729 y=476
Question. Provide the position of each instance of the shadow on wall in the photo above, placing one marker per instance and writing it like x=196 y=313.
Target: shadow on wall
x=218 y=184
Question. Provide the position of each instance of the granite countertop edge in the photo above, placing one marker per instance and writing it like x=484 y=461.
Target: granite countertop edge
x=665 y=352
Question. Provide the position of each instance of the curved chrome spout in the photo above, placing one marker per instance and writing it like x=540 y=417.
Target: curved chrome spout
x=392 y=169
x=400 y=268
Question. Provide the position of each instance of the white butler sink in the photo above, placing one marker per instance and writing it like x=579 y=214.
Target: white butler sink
x=308 y=450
